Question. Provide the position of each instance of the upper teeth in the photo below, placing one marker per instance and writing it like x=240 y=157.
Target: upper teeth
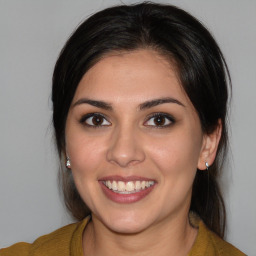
x=130 y=186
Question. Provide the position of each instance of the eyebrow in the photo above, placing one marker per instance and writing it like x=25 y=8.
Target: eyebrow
x=145 y=105
x=156 y=102
x=95 y=103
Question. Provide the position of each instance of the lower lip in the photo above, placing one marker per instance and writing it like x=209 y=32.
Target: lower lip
x=126 y=198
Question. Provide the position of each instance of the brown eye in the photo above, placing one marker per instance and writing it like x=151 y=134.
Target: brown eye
x=160 y=120
x=95 y=120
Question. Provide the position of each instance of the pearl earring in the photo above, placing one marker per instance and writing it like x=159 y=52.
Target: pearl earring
x=207 y=166
x=68 y=164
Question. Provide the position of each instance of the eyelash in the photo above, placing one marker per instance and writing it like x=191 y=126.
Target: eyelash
x=91 y=115
x=161 y=115
x=167 y=118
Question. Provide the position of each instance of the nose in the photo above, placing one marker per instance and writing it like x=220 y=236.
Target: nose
x=126 y=147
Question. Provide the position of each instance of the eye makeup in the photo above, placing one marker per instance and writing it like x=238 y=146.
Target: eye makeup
x=94 y=120
x=154 y=120
x=160 y=120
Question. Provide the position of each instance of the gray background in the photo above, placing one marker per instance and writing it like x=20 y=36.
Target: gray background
x=32 y=34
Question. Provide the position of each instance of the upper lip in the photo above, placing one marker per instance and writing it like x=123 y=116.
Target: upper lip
x=125 y=179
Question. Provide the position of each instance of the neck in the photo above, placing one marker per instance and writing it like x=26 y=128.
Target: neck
x=172 y=236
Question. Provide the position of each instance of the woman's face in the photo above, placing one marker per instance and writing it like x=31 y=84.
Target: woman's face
x=134 y=141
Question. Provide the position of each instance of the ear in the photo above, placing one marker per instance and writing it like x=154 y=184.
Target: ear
x=209 y=147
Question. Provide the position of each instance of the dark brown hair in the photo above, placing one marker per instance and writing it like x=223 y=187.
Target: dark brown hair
x=202 y=70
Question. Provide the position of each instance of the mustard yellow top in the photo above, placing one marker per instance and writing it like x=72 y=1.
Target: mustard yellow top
x=67 y=241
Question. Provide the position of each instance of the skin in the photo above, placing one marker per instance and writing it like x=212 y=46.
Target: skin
x=129 y=142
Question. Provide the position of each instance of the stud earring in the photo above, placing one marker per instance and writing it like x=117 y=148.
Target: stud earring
x=207 y=166
x=68 y=164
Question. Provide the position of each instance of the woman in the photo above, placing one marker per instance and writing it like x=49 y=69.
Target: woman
x=139 y=110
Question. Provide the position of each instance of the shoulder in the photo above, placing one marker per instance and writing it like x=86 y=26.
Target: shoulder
x=58 y=242
x=208 y=243
x=19 y=249
x=222 y=247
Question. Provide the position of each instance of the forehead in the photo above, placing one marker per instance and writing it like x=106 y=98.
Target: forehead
x=131 y=77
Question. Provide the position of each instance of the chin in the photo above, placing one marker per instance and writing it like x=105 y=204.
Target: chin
x=126 y=223
x=127 y=227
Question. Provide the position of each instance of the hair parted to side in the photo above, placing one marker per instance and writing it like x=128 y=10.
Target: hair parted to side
x=202 y=71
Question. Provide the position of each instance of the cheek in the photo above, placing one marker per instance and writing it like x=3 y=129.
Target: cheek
x=85 y=154
x=176 y=162
x=176 y=154
x=84 y=151
x=86 y=164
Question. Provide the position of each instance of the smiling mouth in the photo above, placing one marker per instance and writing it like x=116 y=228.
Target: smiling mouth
x=130 y=187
